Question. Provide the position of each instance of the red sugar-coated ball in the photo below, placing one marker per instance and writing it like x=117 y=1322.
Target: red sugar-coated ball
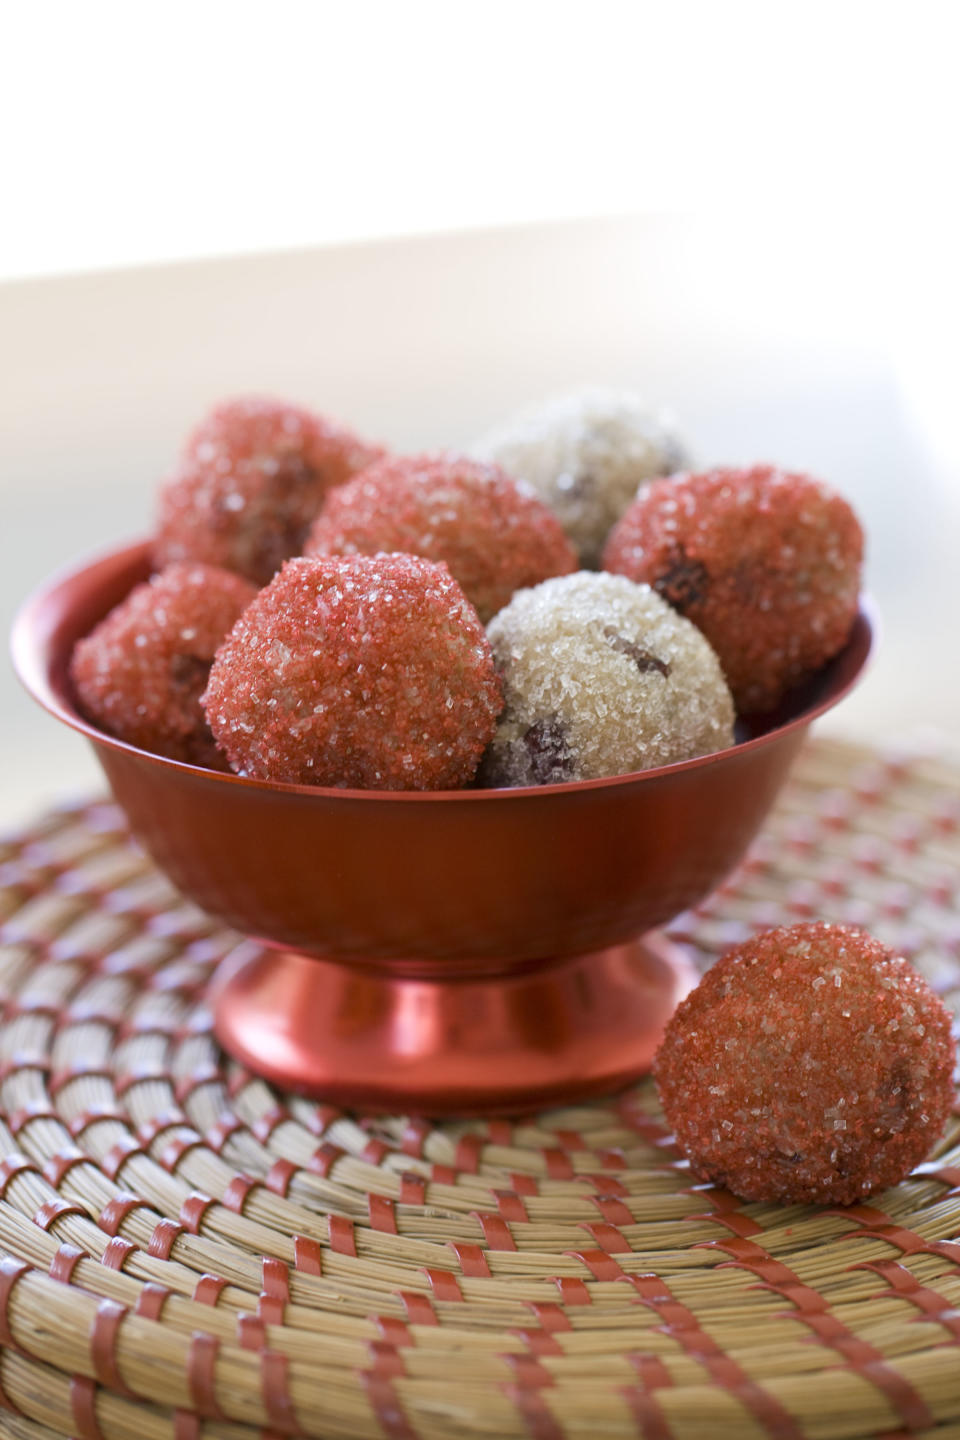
x=141 y=672
x=766 y=563
x=810 y=1064
x=251 y=479
x=371 y=672
x=495 y=536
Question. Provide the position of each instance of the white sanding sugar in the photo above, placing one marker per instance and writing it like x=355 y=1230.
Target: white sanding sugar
x=601 y=677
x=586 y=454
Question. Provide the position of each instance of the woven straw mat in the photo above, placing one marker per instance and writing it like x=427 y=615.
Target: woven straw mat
x=189 y=1254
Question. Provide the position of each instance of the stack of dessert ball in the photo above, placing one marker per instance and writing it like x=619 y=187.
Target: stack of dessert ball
x=326 y=613
x=564 y=605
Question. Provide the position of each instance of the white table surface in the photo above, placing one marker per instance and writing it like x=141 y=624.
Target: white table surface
x=763 y=351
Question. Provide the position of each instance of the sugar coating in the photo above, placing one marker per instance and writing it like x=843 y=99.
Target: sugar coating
x=495 y=535
x=585 y=454
x=250 y=481
x=765 y=562
x=140 y=674
x=601 y=677
x=810 y=1064
x=371 y=672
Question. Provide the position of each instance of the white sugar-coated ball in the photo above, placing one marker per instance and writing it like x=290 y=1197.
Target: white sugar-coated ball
x=586 y=454
x=601 y=677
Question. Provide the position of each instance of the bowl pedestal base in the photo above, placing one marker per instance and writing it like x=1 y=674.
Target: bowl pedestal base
x=499 y=1038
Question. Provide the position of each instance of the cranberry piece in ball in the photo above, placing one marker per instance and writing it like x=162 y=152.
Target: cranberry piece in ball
x=495 y=536
x=141 y=672
x=251 y=479
x=810 y=1064
x=766 y=563
x=371 y=672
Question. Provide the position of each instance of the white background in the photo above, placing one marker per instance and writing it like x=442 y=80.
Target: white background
x=802 y=306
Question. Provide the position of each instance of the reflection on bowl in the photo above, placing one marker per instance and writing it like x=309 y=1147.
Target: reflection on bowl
x=435 y=951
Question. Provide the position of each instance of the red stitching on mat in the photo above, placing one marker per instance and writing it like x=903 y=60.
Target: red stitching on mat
x=600 y=1263
x=524 y=1184
x=275 y=1389
x=550 y=1316
x=538 y=1419
x=607 y=1187
x=307 y=1255
x=222 y=1131
x=612 y=1209
x=813 y=1310
x=186 y=1425
x=11 y=1271
x=324 y=1158
x=174 y=1150
x=878 y=1226
x=279 y=1176
x=646 y=1409
x=473 y=1262
x=118 y=1155
x=165 y=1232
x=251 y=1333
x=208 y=1290
x=59 y=1165
x=466 y=1157
x=608 y=1237
x=496 y=1231
x=386 y=1360
x=444 y=1284
x=55 y=1210
x=64 y=1262
x=237 y=1193
x=418 y=1308
x=904 y=1284
x=117 y=1253
x=415 y=1137
x=152 y=1129
x=572 y=1290
x=118 y=1208
x=386 y=1406
x=684 y=1327
x=265 y=1124
x=83 y=1408
x=395 y=1332
x=104 y=1334
x=443 y=1175
x=539 y=1342
x=413 y=1189
x=201 y=1381
x=500 y=1132
x=341 y=1236
x=382 y=1216
x=151 y=1300
x=511 y=1207
x=12 y=1165
x=558 y=1163
x=374 y=1150
x=193 y=1209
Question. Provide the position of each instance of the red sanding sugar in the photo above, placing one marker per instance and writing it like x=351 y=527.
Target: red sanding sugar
x=141 y=672
x=251 y=480
x=766 y=563
x=371 y=672
x=495 y=536
x=810 y=1064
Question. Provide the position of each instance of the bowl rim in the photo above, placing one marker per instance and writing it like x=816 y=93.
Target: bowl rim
x=31 y=657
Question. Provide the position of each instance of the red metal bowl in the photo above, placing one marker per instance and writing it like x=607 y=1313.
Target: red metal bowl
x=439 y=952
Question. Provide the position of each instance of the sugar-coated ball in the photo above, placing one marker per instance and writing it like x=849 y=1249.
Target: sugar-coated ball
x=494 y=535
x=140 y=674
x=809 y=1064
x=601 y=677
x=585 y=454
x=370 y=672
x=765 y=562
x=250 y=482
